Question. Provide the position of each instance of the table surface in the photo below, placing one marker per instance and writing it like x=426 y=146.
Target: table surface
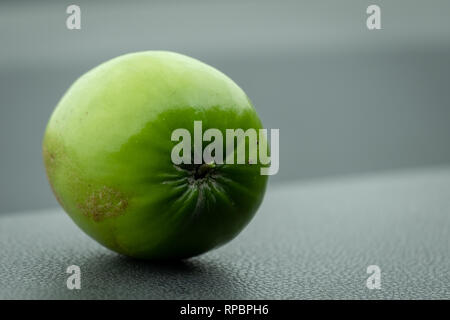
x=309 y=240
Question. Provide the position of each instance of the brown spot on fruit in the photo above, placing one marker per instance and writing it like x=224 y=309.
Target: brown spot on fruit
x=53 y=152
x=50 y=162
x=49 y=157
x=104 y=203
x=65 y=176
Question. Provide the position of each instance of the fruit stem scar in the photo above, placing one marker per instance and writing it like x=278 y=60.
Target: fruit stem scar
x=204 y=169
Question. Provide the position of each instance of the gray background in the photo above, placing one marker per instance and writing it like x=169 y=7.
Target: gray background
x=346 y=100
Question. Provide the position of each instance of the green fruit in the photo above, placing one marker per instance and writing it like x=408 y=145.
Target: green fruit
x=107 y=152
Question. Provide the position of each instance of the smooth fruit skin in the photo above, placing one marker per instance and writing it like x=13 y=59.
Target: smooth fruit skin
x=107 y=152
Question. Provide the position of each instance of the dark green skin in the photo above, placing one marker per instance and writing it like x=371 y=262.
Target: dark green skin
x=107 y=152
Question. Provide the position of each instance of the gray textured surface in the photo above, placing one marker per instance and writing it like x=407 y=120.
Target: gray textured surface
x=309 y=240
